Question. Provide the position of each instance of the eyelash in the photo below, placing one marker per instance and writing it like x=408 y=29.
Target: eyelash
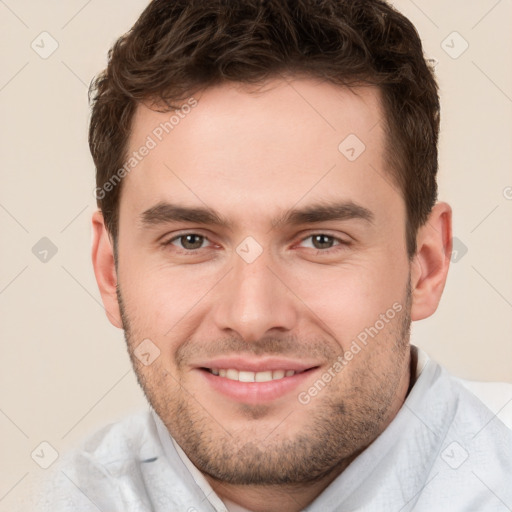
x=341 y=243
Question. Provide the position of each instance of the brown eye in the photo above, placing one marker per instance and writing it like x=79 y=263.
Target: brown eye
x=322 y=241
x=189 y=241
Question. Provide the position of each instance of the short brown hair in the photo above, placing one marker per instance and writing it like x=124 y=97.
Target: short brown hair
x=179 y=47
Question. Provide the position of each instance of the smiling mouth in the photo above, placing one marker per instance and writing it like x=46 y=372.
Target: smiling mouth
x=247 y=376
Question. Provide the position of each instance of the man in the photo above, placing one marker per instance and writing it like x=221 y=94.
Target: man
x=267 y=231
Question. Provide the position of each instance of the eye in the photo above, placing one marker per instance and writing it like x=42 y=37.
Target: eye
x=324 y=242
x=188 y=241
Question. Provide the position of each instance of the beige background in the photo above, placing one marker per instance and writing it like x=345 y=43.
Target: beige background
x=64 y=371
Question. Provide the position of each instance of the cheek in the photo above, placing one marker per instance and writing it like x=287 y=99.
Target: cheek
x=161 y=301
x=347 y=299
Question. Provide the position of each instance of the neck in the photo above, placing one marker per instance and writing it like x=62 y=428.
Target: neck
x=276 y=498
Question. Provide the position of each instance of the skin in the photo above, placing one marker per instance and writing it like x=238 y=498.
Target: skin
x=252 y=154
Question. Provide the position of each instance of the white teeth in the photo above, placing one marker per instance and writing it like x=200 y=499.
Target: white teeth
x=232 y=374
x=263 y=376
x=244 y=376
x=277 y=374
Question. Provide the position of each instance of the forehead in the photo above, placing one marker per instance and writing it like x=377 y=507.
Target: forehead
x=301 y=107
x=260 y=147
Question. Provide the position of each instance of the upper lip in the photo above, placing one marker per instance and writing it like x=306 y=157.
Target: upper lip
x=256 y=365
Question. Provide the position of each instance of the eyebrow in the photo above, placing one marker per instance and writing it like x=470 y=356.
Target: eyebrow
x=164 y=213
x=324 y=212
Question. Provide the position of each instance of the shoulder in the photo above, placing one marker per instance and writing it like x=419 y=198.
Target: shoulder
x=496 y=396
x=473 y=449
x=99 y=472
x=132 y=436
x=472 y=399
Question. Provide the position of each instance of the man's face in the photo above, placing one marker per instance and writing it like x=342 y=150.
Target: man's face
x=270 y=297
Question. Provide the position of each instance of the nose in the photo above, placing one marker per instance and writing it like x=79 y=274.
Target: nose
x=253 y=299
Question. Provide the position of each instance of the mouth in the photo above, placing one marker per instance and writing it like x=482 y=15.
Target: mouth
x=255 y=382
x=248 y=376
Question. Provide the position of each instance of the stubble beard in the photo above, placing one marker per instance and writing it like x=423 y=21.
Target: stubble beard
x=337 y=428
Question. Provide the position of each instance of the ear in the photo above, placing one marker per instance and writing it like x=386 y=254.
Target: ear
x=431 y=261
x=104 y=268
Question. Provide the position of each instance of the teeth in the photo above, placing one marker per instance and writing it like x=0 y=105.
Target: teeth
x=232 y=374
x=246 y=376
x=263 y=376
x=277 y=374
x=243 y=376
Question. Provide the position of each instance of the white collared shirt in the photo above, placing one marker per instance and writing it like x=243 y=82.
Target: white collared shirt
x=444 y=450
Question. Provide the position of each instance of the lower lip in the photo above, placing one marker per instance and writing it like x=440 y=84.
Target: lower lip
x=256 y=392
